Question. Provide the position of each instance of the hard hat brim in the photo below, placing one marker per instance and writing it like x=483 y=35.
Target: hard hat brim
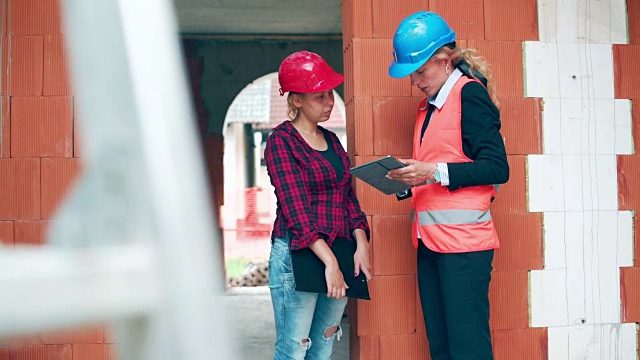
x=400 y=70
x=331 y=83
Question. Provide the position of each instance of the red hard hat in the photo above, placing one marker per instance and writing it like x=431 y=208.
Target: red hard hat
x=306 y=72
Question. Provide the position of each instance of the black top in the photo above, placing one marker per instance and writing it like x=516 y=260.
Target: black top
x=481 y=142
x=332 y=157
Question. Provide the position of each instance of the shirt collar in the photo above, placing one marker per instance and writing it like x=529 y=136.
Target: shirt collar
x=439 y=100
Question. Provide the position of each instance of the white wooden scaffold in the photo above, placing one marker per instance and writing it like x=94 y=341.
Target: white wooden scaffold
x=134 y=244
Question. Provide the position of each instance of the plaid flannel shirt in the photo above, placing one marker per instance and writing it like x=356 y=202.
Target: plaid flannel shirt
x=312 y=201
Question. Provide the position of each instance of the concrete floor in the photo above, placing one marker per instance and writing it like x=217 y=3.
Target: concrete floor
x=251 y=319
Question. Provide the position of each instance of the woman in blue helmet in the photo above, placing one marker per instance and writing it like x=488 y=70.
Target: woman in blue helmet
x=458 y=159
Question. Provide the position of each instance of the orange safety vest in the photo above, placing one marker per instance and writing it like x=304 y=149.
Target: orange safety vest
x=449 y=221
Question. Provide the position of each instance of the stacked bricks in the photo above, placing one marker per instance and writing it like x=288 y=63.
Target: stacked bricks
x=380 y=121
x=627 y=86
x=584 y=181
x=39 y=156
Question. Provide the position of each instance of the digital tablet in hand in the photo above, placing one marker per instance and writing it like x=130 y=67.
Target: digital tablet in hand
x=373 y=173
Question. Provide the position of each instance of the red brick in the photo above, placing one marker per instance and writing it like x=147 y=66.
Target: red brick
x=354 y=343
x=38 y=352
x=528 y=344
x=372 y=201
x=4 y=353
x=509 y=300
x=356 y=20
x=370 y=69
x=5 y=65
x=387 y=15
x=58 y=175
x=77 y=134
x=19 y=189
x=633 y=7
x=3 y=20
x=393 y=125
x=94 y=352
x=391 y=310
x=628 y=182
x=349 y=78
x=635 y=119
x=41 y=127
x=636 y=232
x=109 y=335
x=350 y=125
x=511 y=20
x=6 y=232
x=394 y=252
x=5 y=140
x=360 y=126
x=25 y=68
x=520 y=242
x=512 y=196
x=420 y=327
x=626 y=71
x=22 y=340
x=405 y=347
x=347 y=24
x=352 y=313
x=505 y=60
x=30 y=232
x=365 y=348
x=630 y=294
x=521 y=125
x=465 y=17
x=56 y=72
x=35 y=17
x=372 y=238
x=86 y=335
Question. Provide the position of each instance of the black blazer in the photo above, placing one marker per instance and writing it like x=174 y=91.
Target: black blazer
x=481 y=142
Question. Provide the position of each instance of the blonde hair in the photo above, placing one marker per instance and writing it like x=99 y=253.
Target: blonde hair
x=292 y=110
x=475 y=62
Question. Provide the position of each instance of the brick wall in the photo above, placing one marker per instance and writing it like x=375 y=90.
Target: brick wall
x=380 y=118
x=39 y=156
x=627 y=86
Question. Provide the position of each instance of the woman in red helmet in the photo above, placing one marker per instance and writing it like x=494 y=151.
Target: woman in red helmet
x=316 y=206
x=458 y=158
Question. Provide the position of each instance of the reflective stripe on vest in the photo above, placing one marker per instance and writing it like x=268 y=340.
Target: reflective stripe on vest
x=449 y=221
x=449 y=217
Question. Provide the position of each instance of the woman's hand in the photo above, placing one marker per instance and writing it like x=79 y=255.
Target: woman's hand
x=336 y=287
x=361 y=259
x=361 y=262
x=415 y=173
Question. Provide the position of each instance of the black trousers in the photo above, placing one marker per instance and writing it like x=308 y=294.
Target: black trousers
x=454 y=293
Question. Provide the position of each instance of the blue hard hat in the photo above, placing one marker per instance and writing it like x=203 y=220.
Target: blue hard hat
x=417 y=38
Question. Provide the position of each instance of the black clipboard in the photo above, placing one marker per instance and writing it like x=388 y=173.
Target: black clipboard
x=373 y=173
x=308 y=270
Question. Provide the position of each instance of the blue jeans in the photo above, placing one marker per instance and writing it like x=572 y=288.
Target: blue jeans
x=301 y=318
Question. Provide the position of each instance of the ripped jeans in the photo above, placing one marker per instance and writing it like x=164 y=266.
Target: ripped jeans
x=302 y=319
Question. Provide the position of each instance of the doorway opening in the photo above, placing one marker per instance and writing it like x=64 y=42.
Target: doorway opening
x=223 y=70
